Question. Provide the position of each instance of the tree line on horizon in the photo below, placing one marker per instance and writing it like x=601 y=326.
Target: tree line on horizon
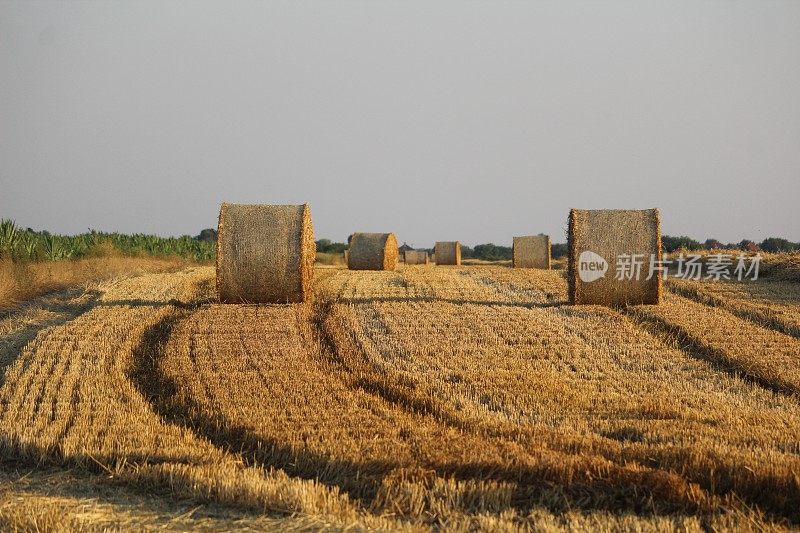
x=669 y=244
x=30 y=245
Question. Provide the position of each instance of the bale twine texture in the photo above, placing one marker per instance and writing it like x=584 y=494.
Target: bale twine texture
x=448 y=252
x=265 y=253
x=416 y=257
x=531 y=251
x=596 y=240
x=372 y=251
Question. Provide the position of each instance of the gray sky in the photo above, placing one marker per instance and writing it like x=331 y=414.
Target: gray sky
x=436 y=120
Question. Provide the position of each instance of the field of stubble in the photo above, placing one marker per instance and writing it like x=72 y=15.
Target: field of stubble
x=444 y=397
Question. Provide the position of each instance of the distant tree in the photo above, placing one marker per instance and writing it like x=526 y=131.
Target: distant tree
x=326 y=246
x=491 y=252
x=748 y=246
x=559 y=249
x=207 y=235
x=670 y=244
x=778 y=244
x=712 y=244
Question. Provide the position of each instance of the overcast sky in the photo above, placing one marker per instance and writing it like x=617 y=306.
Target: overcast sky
x=436 y=120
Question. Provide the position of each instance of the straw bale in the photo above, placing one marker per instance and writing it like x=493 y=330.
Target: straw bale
x=416 y=257
x=372 y=251
x=597 y=240
x=531 y=251
x=448 y=253
x=265 y=253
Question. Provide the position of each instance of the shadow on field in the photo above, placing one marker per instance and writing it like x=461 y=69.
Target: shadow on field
x=67 y=305
x=162 y=394
x=61 y=303
x=492 y=283
x=134 y=508
x=764 y=319
x=153 y=303
x=454 y=301
x=11 y=345
x=580 y=482
x=697 y=349
x=775 y=493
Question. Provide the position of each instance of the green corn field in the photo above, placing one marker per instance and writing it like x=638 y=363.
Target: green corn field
x=18 y=244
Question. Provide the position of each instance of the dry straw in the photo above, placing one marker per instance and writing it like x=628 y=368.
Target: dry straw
x=612 y=234
x=531 y=251
x=448 y=253
x=372 y=251
x=265 y=253
x=416 y=257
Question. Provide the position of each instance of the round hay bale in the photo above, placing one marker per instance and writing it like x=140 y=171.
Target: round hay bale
x=598 y=240
x=372 y=251
x=416 y=257
x=531 y=251
x=265 y=253
x=448 y=252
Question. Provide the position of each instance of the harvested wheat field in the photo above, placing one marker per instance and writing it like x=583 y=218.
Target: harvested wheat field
x=419 y=398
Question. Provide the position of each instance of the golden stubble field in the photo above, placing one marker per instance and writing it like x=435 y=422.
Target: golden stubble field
x=457 y=397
